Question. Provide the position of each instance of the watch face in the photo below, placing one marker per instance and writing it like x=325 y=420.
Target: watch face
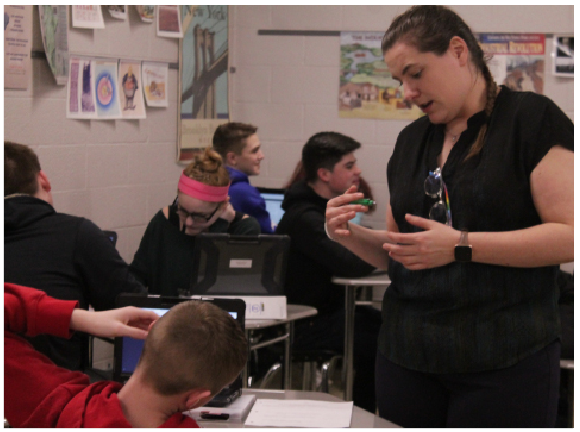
x=463 y=253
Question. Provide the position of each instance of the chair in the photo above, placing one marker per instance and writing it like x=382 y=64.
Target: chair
x=318 y=368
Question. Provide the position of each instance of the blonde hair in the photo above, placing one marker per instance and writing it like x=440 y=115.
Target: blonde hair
x=207 y=167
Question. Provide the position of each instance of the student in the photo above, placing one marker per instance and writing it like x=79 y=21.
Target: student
x=298 y=174
x=239 y=146
x=470 y=336
x=189 y=355
x=164 y=259
x=66 y=256
x=330 y=169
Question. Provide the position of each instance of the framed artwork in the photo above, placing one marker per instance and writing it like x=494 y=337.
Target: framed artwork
x=203 y=77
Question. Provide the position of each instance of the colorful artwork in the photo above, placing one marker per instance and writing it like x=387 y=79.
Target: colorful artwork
x=106 y=90
x=203 y=74
x=367 y=88
x=517 y=59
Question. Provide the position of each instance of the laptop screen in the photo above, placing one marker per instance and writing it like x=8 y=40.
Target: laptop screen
x=273 y=199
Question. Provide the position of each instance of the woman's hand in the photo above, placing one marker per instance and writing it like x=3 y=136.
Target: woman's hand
x=339 y=212
x=434 y=247
x=127 y=321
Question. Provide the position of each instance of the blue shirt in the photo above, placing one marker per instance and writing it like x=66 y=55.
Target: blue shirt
x=246 y=199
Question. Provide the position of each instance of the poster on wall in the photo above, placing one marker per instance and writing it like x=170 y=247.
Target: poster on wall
x=118 y=12
x=518 y=59
x=131 y=94
x=87 y=16
x=168 y=21
x=53 y=30
x=80 y=96
x=203 y=77
x=564 y=56
x=155 y=83
x=107 y=90
x=146 y=13
x=17 y=45
x=367 y=88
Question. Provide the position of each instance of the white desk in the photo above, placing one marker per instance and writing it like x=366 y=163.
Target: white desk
x=360 y=417
x=293 y=313
x=350 y=285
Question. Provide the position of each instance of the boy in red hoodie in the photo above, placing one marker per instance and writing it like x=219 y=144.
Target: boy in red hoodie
x=190 y=354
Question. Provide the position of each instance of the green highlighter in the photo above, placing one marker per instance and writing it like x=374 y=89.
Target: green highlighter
x=364 y=201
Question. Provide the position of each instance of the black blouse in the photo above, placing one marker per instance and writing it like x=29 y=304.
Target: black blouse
x=468 y=317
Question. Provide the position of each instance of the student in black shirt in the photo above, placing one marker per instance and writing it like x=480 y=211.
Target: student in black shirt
x=66 y=256
x=480 y=217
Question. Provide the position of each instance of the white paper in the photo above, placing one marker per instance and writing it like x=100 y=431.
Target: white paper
x=118 y=12
x=87 y=16
x=168 y=21
x=300 y=413
x=154 y=76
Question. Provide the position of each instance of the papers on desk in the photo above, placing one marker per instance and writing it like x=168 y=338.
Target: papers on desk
x=300 y=413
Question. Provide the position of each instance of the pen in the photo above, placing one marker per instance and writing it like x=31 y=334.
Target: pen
x=210 y=416
x=364 y=201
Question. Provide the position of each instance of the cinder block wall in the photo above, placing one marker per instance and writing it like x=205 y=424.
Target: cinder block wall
x=120 y=172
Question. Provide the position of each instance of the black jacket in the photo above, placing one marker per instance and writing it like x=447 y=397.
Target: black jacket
x=67 y=257
x=314 y=259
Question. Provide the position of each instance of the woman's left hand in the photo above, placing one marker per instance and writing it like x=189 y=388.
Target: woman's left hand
x=434 y=247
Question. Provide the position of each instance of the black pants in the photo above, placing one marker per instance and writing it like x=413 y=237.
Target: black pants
x=523 y=395
x=326 y=332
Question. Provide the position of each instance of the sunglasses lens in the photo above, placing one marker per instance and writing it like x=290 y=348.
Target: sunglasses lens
x=433 y=186
x=438 y=213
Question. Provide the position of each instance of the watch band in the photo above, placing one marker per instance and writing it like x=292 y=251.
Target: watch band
x=463 y=252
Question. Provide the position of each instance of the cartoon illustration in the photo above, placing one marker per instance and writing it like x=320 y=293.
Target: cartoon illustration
x=130 y=85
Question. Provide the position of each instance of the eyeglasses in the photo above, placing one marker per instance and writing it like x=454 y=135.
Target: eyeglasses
x=195 y=217
x=435 y=187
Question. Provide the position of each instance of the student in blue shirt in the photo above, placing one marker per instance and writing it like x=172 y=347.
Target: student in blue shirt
x=239 y=146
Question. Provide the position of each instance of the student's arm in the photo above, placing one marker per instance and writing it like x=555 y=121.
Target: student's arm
x=244 y=225
x=35 y=389
x=308 y=236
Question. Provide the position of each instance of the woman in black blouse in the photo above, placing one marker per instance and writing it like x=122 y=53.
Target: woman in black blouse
x=479 y=219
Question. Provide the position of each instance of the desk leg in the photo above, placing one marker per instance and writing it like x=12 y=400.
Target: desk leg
x=347 y=361
x=287 y=356
x=245 y=369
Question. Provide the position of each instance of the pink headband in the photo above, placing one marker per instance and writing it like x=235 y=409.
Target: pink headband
x=201 y=191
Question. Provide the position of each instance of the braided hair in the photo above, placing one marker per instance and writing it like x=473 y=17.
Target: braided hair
x=430 y=29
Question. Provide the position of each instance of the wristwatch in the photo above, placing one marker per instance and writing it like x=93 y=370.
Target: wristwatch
x=463 y=249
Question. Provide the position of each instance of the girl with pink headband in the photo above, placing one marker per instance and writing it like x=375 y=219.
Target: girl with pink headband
x=164 y=260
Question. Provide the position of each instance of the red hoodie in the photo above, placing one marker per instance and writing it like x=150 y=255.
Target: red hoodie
x=37 y=393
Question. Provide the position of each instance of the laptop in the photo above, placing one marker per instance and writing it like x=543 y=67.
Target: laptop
x=239 y=265
x=127 y=350
x=273 y=198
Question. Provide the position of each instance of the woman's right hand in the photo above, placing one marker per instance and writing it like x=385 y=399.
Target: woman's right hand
x=339 y=212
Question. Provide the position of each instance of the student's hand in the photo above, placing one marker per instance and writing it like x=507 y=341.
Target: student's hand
x=128 y=321
x=433 y=247
x=339 y=212
x=229 y=213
